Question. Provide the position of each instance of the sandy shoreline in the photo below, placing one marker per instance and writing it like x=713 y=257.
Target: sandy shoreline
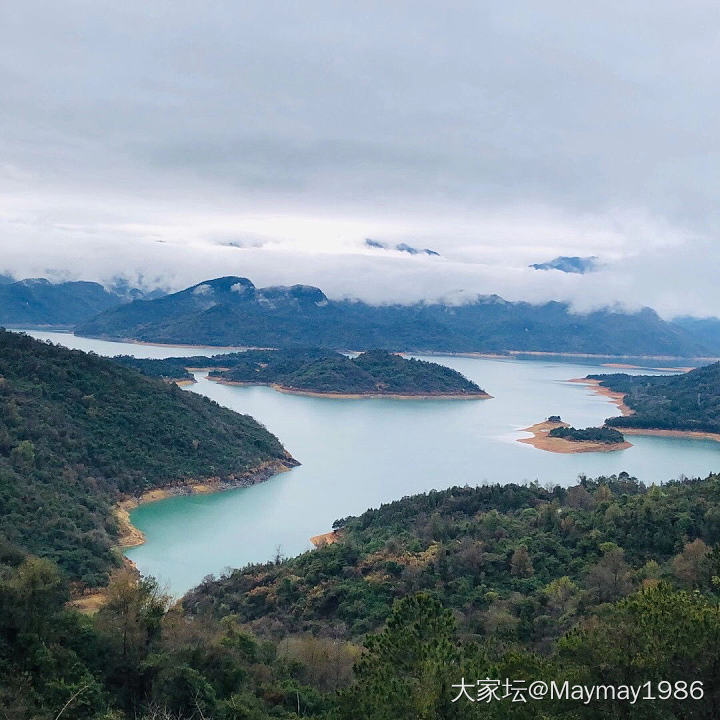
x=628 y=366
x=688 y=434
x=355 y=396
x=130 y=536
x=617 y=397
x=543 y=353
x=542 y=441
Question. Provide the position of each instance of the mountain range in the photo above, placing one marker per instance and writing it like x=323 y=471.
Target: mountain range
x=40 y=302
x=567 y=264
x=232 y=311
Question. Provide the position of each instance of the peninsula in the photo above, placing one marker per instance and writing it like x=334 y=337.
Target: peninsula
x=81 y=436
x=685 y=405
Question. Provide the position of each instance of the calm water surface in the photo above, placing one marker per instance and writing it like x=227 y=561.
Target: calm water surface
x=356 y=454
x=110 y=349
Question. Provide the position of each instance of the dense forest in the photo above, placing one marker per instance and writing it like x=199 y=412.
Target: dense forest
x=606 y=582
x=607 y=435
x=78 y=430
x=176 y=368
x=317 y=370
x=231 y=311
x=690 y=401
x=372 y=372
x=476 y=549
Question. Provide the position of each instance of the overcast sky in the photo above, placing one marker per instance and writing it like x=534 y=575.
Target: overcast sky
x=171 y=142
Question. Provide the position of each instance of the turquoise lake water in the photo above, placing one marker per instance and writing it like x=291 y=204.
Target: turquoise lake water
x=357 y=454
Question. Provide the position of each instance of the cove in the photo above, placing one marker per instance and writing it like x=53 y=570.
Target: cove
x=357 y=454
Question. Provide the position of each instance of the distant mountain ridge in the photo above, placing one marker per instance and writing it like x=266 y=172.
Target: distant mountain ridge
x=705 y=330
x=38 y=301
x=566 y=264
x=400 y=247
x=232 y=311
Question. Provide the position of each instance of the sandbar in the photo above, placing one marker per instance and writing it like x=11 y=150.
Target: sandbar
x=542 y=441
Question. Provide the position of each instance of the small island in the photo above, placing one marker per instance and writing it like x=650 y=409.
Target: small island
x=319 y=372
x=324 y=373
x=605 y=435
x=554 y=435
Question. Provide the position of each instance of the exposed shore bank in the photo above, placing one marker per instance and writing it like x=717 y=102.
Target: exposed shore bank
x=356 y=396
x=519 y=354
x=542 y=441
x=91 y=600
x=130 y=536
x=619 y=399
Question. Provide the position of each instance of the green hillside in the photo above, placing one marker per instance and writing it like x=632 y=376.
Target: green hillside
x=474 y=548
x=605 y=583
x=78 y=430
x=373 y=372
x=376 y=372
x=690 y=401
x=232 y=311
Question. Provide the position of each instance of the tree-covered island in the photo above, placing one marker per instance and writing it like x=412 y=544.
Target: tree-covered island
x=606 y=435
x=557 y=436
x=322 y=372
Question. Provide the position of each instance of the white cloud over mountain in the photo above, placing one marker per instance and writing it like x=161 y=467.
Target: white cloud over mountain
x=175 y=142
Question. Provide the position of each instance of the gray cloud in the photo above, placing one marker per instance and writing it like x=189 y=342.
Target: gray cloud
x=182 y=140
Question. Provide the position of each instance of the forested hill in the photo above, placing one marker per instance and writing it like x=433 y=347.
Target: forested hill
x=513 y=583
x=476 y=549
x=376 y=372
x=690 y=401
x=503 y=582
x=76 y=430
x=232 y=311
